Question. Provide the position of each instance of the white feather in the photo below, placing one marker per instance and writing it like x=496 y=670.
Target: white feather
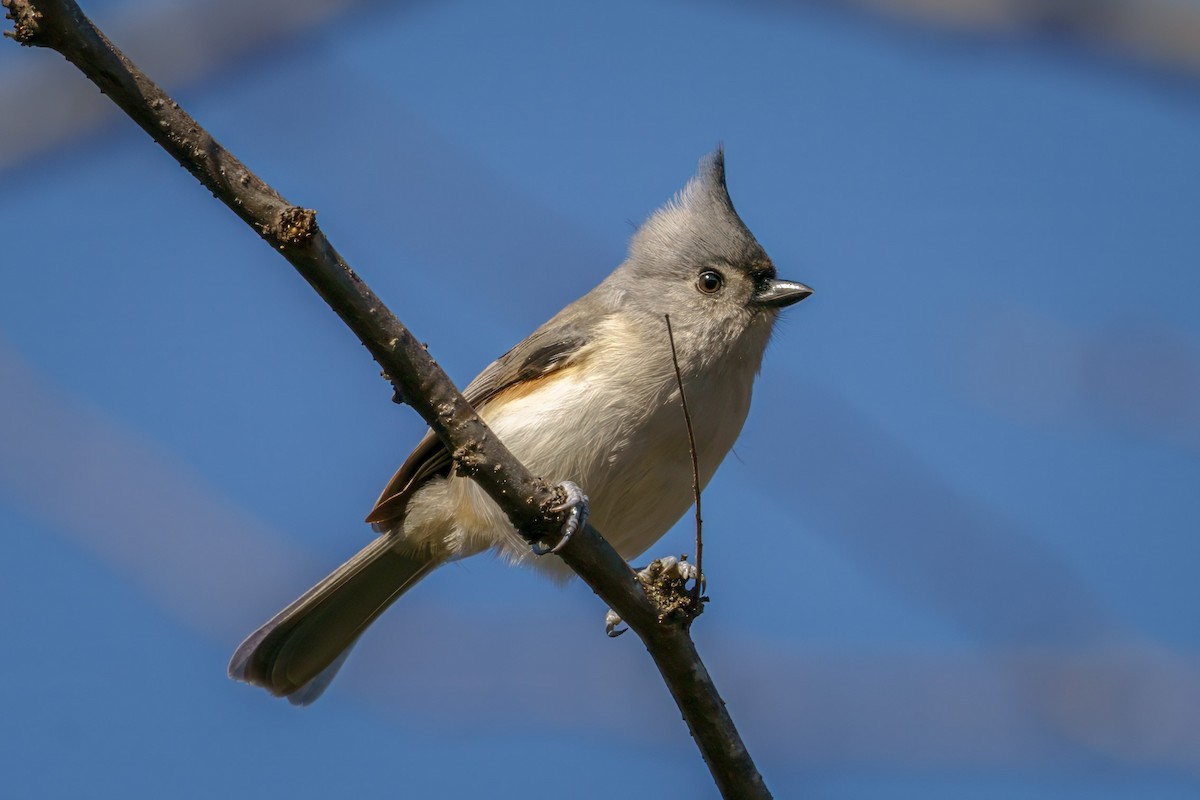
x=612 y=425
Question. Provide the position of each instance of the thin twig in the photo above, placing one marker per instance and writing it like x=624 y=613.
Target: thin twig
x=292 y=231
x=698 y=590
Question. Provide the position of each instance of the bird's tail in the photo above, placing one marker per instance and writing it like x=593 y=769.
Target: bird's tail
x=298 y=652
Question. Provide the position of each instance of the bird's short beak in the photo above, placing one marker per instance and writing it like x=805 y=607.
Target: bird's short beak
x=778 y=294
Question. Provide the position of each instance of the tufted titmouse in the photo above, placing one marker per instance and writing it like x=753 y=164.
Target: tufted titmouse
x=590 y=397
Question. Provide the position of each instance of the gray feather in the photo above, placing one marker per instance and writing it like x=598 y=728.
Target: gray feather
x=302 y=646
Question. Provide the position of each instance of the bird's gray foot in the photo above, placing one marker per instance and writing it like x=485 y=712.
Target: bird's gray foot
x=576 y=508
x=678 y=570
x=665 y=582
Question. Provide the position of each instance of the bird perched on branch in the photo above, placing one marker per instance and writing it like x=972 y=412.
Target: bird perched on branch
x=590 y=399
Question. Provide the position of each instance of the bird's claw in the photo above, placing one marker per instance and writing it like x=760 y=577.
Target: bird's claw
x=669 y=569
x=576 y=508
x=665 y=582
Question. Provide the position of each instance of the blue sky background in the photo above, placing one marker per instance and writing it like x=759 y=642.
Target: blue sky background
x=954 y=555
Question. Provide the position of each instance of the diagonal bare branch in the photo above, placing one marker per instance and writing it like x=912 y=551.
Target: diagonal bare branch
x=417 y=380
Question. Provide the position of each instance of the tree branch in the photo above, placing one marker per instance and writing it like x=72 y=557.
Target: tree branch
x=417 y=380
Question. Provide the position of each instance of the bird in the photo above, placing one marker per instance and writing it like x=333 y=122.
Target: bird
x=589 y=400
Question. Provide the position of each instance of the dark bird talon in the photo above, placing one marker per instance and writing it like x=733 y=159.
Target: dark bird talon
x=611 y=620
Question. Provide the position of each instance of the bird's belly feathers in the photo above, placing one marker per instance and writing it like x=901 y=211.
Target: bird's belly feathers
x=626 y=447
x=614 y=428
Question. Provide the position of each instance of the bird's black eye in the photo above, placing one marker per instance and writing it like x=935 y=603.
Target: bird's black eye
x=710 y=281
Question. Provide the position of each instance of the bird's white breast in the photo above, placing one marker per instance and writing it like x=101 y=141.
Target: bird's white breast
x=614 y=425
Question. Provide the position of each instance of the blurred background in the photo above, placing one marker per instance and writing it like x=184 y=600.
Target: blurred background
x=953 y=556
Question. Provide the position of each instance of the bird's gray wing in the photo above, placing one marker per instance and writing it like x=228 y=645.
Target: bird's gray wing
x=545 y=351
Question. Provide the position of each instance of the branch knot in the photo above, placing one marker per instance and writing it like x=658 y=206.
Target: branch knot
x=25 y=22
x=297 y=225
x=468 y=459
x=665 y=582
